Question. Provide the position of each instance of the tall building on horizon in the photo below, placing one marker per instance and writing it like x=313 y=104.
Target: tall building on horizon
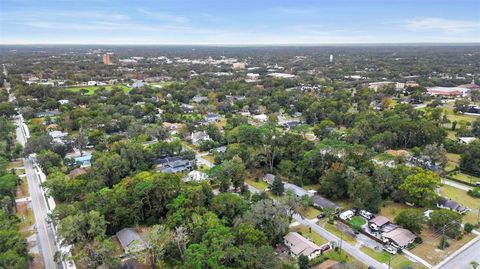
x=106 y=59
x=331 y=57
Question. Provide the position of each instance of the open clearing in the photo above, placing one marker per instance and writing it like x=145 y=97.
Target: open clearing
x=91 y=89
x=463 y=198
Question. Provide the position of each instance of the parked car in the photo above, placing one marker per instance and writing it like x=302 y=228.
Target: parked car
x=371 y=267
x=325 y=248
x=477 y=183
x=366 y=214
x=390 y=250
x=321 y=216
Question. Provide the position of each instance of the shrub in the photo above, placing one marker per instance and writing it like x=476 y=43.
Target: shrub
x=468 y=227
x=475 y=192
x=443 y=243
x=418 y=240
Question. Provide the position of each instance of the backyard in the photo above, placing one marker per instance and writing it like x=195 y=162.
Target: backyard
x=315 y=237
x=460 y=196
x=464 y=177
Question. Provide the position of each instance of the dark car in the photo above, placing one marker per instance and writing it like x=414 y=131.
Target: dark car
x=321 y=216
x=371 y=267
x=325 y=248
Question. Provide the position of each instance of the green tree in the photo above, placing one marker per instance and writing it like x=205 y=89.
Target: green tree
x=303 y=262
x=420 y=187
x=470 y=157
x=228 y=206
x=277 y=187
x=49 y=160
x=444 y=220
x=411 y=219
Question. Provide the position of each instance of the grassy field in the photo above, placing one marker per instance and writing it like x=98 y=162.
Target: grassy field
x=396 y=261
x=391 y=209
x=334 y=230
x=463 y=198
x=316 y=238
x=428 y=249
x=260 y=185
x=310 y=213
x=92 y=89
x=452 y=116
x=465 y=178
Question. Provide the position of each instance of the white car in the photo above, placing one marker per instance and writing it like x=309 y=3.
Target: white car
x=366 y=214
x=390 y=250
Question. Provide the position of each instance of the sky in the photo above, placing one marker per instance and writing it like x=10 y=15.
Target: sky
x=238 y=22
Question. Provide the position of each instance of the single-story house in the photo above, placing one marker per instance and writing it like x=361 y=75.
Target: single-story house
x=466 y=140
x=347 y=215
x=221 y=149
x=323 y=203
x=212 y=117
x=269 y=178
x=137 y=84
x=299 y=245
x=298 y=190
x=400 y=237
x=199 y=99
x=130 y=240
x=452 y=205
x=261 y=117
x=196 y=176
x=199 y=137
x=177 y=166
x=84 y=161
x=63 y=101
x=378 y=222
x=57 y=134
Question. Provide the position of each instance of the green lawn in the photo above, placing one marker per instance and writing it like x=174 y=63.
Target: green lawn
x=396 y=261
x=310 y=213
x=357 y=220
x=452 y=116
x=260 y=185
x=465 y=178
x=92 y=89
x=316 y=238
x=391 y=209
x=331 y=228
x=463 y=198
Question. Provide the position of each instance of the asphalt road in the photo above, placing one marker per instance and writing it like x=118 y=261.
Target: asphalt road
x=45 y=235
x=462 y=260
x=456 y=185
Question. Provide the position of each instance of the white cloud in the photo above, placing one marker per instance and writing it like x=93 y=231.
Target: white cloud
x=165 y=16
x=443 y=25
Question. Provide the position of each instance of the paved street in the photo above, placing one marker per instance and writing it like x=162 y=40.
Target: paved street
x=456 y=184
x=462 y=260
x=45 y=235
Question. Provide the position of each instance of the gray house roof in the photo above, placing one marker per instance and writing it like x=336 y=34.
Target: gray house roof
x=269 y=178
x=130 y=239
x=452 y=205
x=298 y=190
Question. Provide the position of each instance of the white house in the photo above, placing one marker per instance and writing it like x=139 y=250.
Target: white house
x=199 y=137
x=347 y=215
x=92 y=83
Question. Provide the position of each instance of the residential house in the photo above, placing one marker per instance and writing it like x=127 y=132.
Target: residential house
x=199 y=137
x=323 y=203
x=269 y=178
x=57 y=136
x=299 y=245
x=261 y=117
x=137 y=84
x=221 y=149
x=400 y=237
x=63 y=101
x=378 y=222
x=212 y=118
x=452 y=205
x=196 y=176
x=174 y=165
x=130 y=240
x=84 y=161
x=296 y=189
x=199 y=99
